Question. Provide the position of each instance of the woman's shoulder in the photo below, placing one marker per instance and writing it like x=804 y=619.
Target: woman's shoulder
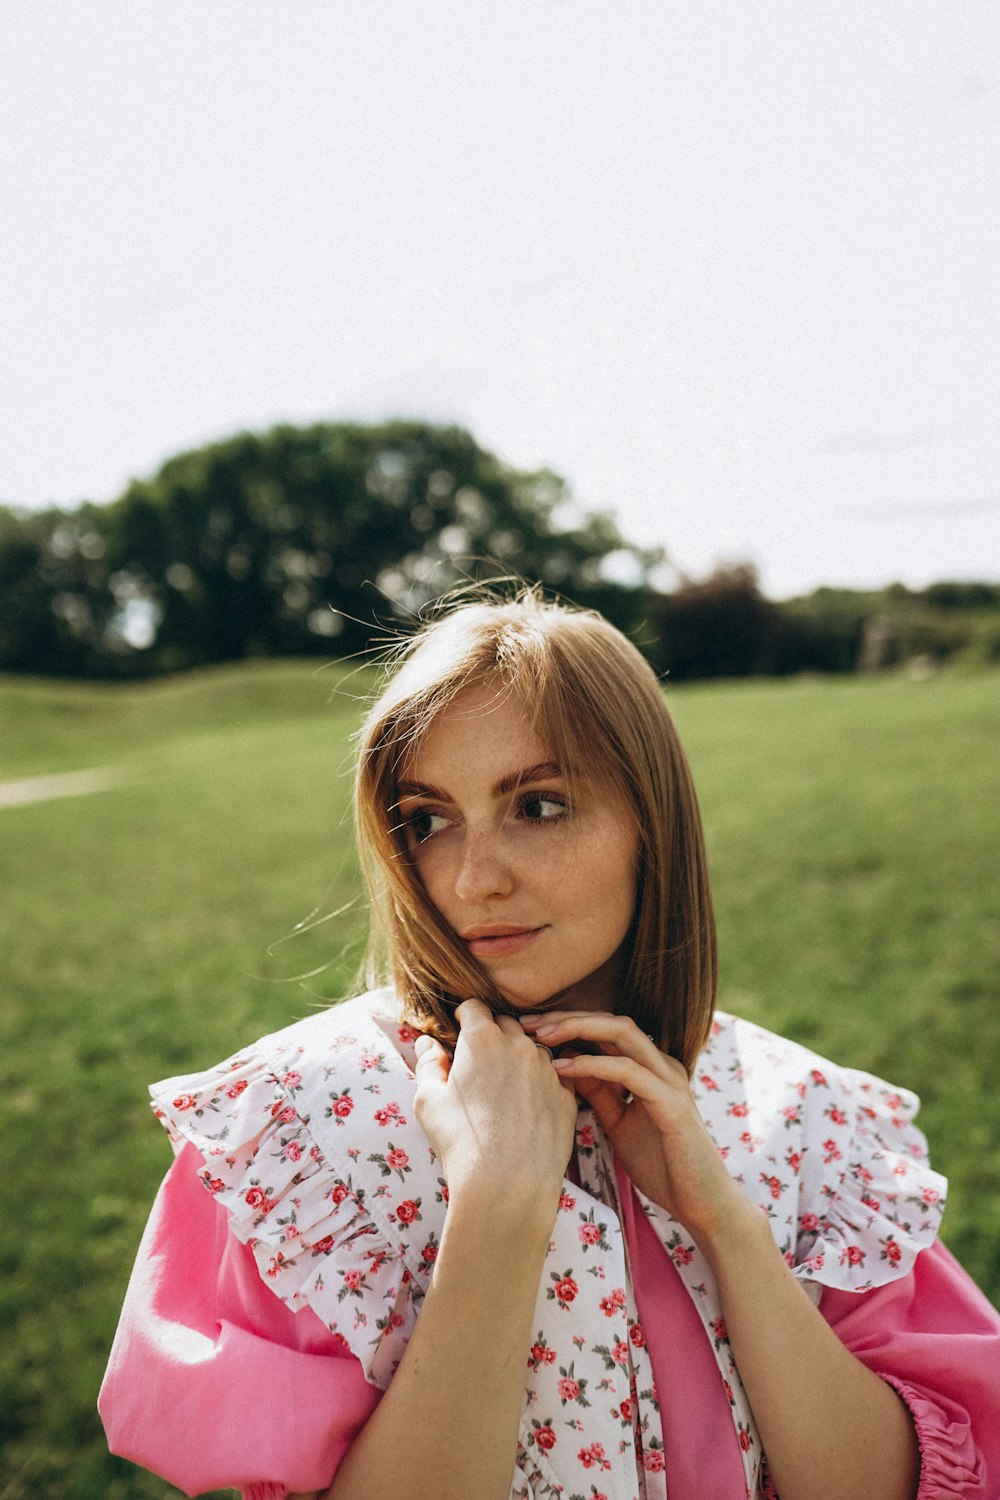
x=747 y=1052
x=336 y=1029
x=735 y=1035
x=275 y=1075
x=293 y=1137
x=746 y=1070
x=836 y=1143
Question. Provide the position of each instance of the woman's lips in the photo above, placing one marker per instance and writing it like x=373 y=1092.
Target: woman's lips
x=498 y=941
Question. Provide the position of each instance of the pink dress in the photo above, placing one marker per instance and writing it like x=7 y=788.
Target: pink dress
x=213 y=1383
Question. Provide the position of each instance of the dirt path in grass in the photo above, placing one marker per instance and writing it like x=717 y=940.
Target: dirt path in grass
x=44 y=788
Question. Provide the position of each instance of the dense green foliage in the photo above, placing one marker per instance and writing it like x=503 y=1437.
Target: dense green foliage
x=311 y=541
x=722 y=626
x=298 y=541
x=853 y=827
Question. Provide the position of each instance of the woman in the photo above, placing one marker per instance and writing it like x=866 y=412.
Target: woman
x=532 y=1220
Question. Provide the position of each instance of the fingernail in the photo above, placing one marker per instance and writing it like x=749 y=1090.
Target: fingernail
x=562 y=1062
x=421 y=1045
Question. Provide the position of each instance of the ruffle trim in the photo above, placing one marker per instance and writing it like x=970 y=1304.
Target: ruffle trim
x=874 y=1202
x=533 y=1478
x=950 y=1463
x=313 y=1239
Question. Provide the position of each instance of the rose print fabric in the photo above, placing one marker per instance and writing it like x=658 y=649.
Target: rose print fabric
x=310 y=1144
x=335 y=1188
x=931 y=1334
x=204 y=1346
x=213 y=1382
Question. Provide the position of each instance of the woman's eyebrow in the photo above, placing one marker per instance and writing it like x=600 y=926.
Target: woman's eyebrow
x=545 y=770
x=419 y=789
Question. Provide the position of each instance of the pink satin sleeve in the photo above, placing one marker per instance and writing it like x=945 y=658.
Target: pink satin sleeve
x=936 y=1339
x=212 y=1382
x=932 y=1335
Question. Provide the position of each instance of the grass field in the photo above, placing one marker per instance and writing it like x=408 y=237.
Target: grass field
x=148 y=929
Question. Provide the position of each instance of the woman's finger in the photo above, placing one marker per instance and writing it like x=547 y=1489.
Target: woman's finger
x=508 y=1025
x=433 y=1062
x=605 y=1099
x=473 y=1013
x=640 y=1081
x=604 y=1020
x=620 y=1034
x=475 y=1016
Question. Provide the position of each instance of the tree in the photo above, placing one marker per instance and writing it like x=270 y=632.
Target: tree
x=721 y=626
x=302 y=540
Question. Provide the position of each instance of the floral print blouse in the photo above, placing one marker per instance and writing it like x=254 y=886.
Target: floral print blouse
x=342 y=1222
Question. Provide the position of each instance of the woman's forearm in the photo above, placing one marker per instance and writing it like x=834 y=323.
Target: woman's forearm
x=828 y=1424
x=446 y=1428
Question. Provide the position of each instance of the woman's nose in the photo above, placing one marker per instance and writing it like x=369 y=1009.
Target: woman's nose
x=483 y=872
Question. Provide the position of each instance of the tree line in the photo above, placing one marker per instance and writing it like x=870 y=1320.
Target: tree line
x=319 y=540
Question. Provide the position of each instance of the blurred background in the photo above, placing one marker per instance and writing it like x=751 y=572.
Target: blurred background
x=311 y=316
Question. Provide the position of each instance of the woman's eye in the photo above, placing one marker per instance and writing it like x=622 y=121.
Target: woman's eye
x=422 y=824
x=542 y=809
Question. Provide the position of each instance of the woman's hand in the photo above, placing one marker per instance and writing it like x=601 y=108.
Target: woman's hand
x=808 y=1393
x=502 y=1126
x=496 y=1114
x=658 y=1136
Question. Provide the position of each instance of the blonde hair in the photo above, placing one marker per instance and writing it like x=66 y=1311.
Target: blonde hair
x=592 y=699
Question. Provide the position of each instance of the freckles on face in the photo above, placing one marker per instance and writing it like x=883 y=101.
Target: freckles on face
x=534 y=874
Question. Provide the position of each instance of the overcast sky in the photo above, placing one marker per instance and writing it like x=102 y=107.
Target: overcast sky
x=730 y=268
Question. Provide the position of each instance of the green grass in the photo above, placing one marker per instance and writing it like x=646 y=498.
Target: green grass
x=853 y=829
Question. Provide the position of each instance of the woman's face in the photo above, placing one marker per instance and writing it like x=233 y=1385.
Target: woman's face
x=540 y=890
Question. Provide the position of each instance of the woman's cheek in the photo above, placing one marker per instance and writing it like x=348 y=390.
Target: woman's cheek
x=432 y=865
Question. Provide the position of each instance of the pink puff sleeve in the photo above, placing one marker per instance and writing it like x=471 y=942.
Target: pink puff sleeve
x=213 y=1382
x=936 y=1339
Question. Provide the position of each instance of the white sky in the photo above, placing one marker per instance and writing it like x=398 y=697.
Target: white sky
x=729 y=267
